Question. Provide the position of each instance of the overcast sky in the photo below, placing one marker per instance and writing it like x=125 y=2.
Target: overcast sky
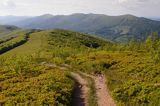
x=145 y=8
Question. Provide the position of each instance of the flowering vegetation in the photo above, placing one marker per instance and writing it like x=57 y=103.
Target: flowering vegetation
x=37 y=72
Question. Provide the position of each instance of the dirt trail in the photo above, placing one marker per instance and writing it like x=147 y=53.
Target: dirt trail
x=80 y=91
x=103 y=96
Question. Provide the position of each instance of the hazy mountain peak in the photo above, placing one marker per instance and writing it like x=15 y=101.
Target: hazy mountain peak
x=46 y=15
x=89 y=14
x=78 y=14
x=129 y=16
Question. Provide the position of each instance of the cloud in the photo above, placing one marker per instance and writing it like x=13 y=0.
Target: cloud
x=134 y=1
x=132 y=4
x=9 y=4
x=109 y=7
x=122 y=1
x=143 y=0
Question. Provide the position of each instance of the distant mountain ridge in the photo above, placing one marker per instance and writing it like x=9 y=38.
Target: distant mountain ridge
x=6 y=29
x=116 y=28
x=8 y=20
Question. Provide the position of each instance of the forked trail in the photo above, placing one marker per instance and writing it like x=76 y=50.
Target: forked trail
x=103 y=96
x=81 y=90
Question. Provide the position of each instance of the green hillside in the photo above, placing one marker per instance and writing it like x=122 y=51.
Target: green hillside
x=37 y=72
x=25 y=80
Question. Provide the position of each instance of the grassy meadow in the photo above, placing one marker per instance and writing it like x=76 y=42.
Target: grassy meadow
x=37 y=71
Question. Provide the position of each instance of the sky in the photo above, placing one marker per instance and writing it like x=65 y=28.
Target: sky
x=144 y=8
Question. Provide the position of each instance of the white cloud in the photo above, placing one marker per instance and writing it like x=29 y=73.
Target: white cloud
x=109 y=7
x=8 y=4
x=122 y=1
